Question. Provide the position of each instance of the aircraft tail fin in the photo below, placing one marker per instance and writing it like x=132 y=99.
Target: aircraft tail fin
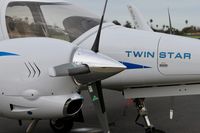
x=138 y=19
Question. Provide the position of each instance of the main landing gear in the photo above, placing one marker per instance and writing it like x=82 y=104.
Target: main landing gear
x=142 y=112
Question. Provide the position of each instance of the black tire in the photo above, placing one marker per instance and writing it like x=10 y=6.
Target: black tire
x=62 y=125
x=153 y=130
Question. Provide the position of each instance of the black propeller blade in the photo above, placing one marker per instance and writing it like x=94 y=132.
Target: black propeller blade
x=100 y=105
x=95 y=46
x=100 y=95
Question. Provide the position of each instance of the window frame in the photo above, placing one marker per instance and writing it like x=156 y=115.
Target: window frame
x=3 y=8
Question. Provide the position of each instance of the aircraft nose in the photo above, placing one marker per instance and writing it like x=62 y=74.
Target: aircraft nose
x=100 y=66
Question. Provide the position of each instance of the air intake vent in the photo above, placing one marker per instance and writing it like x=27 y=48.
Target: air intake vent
x=73 y=106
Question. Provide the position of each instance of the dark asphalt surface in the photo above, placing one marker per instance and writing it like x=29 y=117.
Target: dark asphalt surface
x=186 y=119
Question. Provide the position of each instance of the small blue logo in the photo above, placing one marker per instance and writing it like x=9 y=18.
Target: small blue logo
x=7 y=54
x=133 y=66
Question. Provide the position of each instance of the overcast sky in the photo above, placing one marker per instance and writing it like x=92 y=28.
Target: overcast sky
x=151 y=9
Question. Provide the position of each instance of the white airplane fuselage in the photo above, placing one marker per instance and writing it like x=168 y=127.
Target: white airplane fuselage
x=152 y=59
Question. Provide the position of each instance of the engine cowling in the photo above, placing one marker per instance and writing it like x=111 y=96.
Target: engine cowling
x=45 y=107
x=42 y=85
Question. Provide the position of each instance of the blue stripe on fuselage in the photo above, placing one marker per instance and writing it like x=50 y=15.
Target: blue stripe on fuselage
x=133 y=66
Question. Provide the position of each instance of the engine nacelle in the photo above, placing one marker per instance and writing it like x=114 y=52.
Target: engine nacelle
x=27 y=90
x=35 y=85
x=45 y=107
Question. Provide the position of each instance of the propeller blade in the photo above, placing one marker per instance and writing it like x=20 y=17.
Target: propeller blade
x=69 y=69
x=100 y=94
x=170 y=22
x=96 y=95
x=95 y=46
x=96 y=88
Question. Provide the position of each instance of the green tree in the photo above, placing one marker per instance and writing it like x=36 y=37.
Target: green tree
x=128 y=24
x=116 y=22
x=164 y=27
x=157 y=26
x=186 y=22
x=151 y=21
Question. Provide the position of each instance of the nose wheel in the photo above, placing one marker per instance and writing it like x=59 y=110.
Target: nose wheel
x=142 y=112
x=153 y=130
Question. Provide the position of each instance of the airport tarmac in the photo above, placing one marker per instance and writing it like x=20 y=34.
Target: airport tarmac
x=186 y=116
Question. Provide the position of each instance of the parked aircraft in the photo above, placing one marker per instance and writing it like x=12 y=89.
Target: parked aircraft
x=50 y=50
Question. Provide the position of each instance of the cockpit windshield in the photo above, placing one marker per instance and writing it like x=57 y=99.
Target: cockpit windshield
x=40 y=19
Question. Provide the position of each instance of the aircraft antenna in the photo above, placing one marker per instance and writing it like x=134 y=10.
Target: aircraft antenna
x=170 y=22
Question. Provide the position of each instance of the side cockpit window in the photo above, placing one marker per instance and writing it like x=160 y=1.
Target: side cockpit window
x=55 y=20
x=77 y=25
x=20 y=22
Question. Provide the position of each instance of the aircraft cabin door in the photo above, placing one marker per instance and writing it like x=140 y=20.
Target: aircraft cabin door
x=178 y=56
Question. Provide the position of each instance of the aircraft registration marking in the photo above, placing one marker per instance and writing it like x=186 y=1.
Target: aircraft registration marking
x=163 y=55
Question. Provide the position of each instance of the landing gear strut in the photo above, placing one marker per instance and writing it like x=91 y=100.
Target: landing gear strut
x=32 y=126
x=142 y=112
x=63 y=125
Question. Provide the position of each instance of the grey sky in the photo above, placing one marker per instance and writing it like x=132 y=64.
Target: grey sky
x=155 y=9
